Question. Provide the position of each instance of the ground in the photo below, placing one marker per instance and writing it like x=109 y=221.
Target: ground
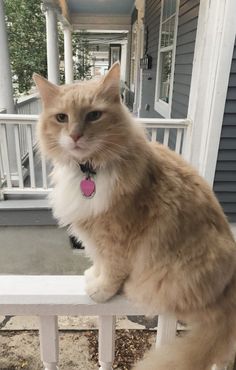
x=78 y=350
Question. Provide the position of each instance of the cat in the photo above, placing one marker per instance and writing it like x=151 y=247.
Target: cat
x=150 y=223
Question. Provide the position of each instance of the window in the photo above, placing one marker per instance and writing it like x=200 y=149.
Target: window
x=166 y=56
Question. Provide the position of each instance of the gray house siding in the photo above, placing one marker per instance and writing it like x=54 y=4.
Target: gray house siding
x=152 y=25
x=187 y=27
x=186 y=36
x=225 y=176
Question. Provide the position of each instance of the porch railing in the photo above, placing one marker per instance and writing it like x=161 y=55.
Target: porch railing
x=30 y=104
x=171 y=132
x=48 y=297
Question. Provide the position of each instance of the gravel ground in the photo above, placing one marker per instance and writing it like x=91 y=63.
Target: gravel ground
x=78 y=350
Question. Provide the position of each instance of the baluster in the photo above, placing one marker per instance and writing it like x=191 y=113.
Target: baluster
x=44 y=172
x=154 y=134
x=166 y=330
x=5 y=156
x=106 y=341
x=178 y=140
x=49 y=341
x=18 y=156
x=31 y=156
x=166 y=136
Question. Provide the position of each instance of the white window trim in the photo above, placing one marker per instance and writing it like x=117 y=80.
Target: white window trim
x=161 y=106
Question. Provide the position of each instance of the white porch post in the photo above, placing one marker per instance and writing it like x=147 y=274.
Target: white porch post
x=6 y=91
x=69 y=75
x=123 y=61
x=140 y=4
x=52 y=45
x=211 y=69
x=127 y=75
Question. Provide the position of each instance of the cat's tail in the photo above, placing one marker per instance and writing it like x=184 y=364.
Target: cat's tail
x=203 y=346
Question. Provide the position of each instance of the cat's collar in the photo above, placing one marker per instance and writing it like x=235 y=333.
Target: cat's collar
x=87 y=168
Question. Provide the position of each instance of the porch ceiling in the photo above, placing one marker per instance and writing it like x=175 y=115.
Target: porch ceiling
x=96 y=14
x=101 y=7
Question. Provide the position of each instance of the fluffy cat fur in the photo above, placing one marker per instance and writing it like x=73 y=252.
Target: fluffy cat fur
x=154 y=228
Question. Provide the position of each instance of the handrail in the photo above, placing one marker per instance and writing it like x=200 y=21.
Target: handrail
x=174 y=133
x=14 y=119
x=50 y=296
x=56 y=295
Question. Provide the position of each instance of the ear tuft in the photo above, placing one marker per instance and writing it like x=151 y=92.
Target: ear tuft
x=47 y=90
x=111 y=82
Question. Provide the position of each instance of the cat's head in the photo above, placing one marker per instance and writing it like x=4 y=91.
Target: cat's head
x=83 y=121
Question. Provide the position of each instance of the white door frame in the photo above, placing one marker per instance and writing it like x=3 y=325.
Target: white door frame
x=211 y=69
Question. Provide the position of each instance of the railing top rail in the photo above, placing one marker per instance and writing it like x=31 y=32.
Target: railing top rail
x=19 y=118
x=149 y=122
x=55 y=295
x=164 y=122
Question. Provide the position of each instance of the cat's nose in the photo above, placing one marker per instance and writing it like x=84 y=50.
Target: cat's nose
x=75 y=136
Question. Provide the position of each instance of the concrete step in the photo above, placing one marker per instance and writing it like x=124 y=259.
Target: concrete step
x=26 y=212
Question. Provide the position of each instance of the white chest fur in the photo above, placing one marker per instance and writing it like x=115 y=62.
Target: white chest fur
x=69 y=205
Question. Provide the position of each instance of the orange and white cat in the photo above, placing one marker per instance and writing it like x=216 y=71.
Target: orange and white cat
x=150 y=223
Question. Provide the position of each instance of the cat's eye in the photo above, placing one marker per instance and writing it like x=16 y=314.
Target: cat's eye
x=93 y=116
x=62 y=117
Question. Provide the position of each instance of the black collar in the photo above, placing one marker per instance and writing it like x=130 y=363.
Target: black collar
x=87 y=168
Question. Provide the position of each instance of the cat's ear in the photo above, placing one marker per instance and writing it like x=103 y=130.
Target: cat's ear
x=47 y=90
x=111 y=82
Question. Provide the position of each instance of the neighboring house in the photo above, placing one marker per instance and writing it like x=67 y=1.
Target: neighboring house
x=169 y=33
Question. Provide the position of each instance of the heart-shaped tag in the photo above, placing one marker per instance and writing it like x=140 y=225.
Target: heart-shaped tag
x=88 y=187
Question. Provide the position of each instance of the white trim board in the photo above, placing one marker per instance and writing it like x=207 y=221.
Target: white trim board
x=211 y=70
x=161 y=106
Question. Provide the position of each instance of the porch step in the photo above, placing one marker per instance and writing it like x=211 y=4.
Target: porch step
x=26 y=212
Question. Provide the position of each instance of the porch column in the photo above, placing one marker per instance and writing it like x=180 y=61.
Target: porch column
x=211 y=69
x=52 y=45
x=68 y=55
x=137 y=79
x=129 y=37
x=6 y=90
x=6 y=95
x=123 y=60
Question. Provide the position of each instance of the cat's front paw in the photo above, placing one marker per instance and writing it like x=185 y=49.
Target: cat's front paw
x=91 y=274
x=99 y=292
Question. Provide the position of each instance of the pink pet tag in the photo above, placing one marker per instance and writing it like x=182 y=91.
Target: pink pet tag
x=88 y=187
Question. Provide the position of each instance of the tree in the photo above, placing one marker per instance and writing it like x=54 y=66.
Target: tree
x=27 y=41
x=26 y=26
x=82 y=56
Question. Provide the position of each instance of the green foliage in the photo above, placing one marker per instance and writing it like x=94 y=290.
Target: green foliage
x=82 y=55
x=26 y=26
x=27 y=41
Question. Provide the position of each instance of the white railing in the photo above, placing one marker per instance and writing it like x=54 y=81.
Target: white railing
x=18 y=123
x=171 y=132
x=30 y=104
x=48 y=297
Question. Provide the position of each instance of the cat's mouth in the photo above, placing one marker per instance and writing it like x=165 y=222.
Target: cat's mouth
x=80 y=151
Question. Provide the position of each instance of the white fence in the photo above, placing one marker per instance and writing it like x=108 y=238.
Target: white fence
x=172 y=132
x=48 y=297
